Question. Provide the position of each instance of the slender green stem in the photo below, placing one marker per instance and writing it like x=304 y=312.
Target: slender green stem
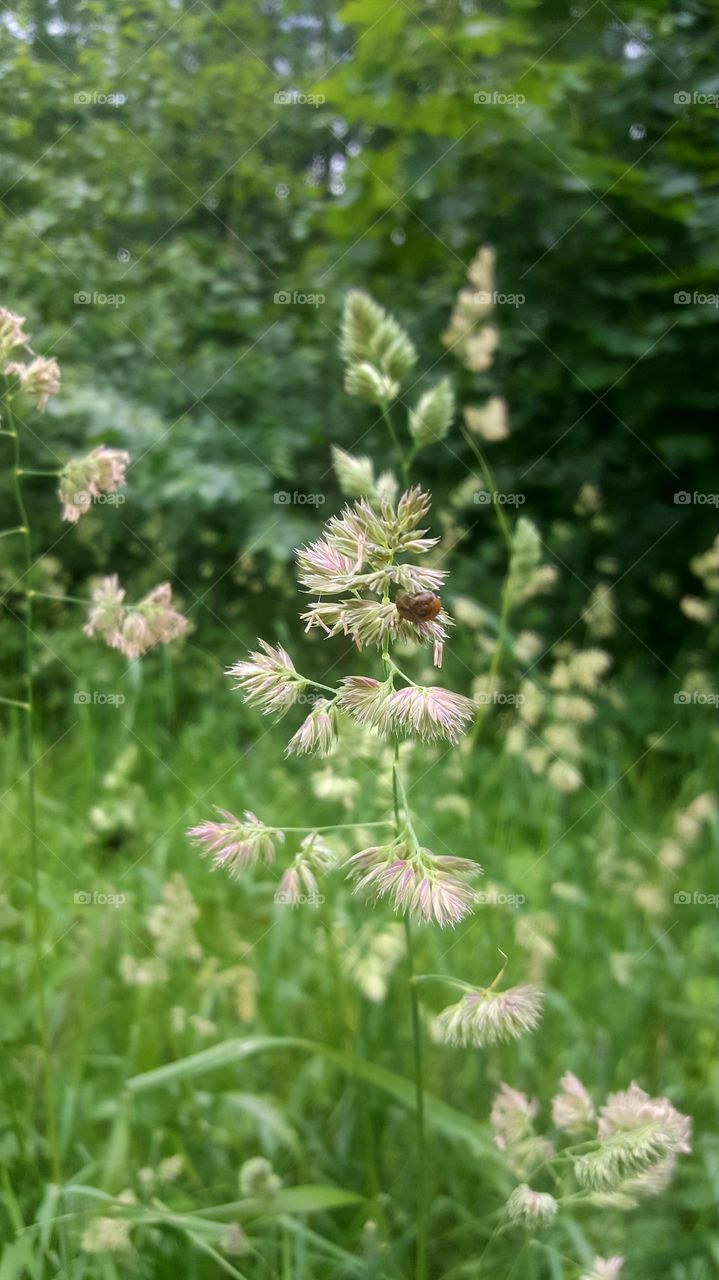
x=497 y=653
x=27 y=471
x=18 y=529
x=491 y=487
x=421 y=1158
x=395 y=441
x=12 y=702
x=32 y=824
x=339 y=826
x=393 y=667
x=45 y=595
x=443 y=977
x=421 y=1201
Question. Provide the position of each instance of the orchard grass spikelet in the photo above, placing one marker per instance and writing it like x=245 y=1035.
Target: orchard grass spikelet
x=572 y=1107
x=317 y=734
x=82 y=479
x=40 y=379
x=483 y=1018
x=12 y=333
x=236 y=844
x=366 y=699
x=133 y=629
x=634 y=1109
x=512 y=1120
x=512 y=1116
x=268 y=679
x=107 y=1235
x=620 y=1156
x=427 y=886
x=432 y=416
x=531 y=1208
x=299 y=882
x=375 y=348
x=258 y=1179
x=604 y=1268
x=432 y=712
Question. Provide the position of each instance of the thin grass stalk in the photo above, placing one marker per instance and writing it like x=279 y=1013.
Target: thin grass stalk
x=421 y=1201
x=29 y=776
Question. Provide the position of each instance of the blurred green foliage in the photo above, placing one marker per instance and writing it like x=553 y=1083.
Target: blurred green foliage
x=145 y=155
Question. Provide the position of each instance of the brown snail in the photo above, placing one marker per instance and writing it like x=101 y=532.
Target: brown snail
x=421 y=607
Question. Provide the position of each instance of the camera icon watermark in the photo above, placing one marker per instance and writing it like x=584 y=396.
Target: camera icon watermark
x=283 y=899
x=493 y=898
x=97 y=698
x=482 y=498
x=283 y=498
x=487 y=698
x=688 y=98
x=683 y=298
x=684 y=698
x=293 y=98
x=83 y=499
x=95 y=899
x=87 y=299
x=487 y=298
x=295 y=298
x=685 y=898
x=494 y=98
x=684 y=499
x=89 y=98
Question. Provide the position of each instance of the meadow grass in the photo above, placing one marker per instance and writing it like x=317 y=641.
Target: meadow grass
x=576 y=897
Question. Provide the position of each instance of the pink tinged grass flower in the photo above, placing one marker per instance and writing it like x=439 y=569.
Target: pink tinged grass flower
x=133 y=629
x=366 y=700
x=82 y=479
x=40 y=379
x=268 y=679
x=531 y=1208
x=432 y=713
x=512 y=1120
x=604 y=1268
x=512 y=1116
x=236 y=843
x=106 y=610
x=572 y=1107
x=483 y=1018
x=12 y=333
x=317 y=734
x=324 y=568
x=427 y=886
x=634 y=1109
x=298 y=887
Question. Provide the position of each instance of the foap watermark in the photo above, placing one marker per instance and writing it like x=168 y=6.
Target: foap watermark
x=685 y=698
x=492 y=298
x=493 y=898
x=685 y=499
x=83 y=499
x=692 y=98
x=87 y=898
x=283 y=498
x=693 y=898
x=293 y=98
x=89 y=98
x=87 y=299
x=98 y=698
x=294 y=298
x=483 y=498
x=488 y=699
x=283 y=899
x=683 y=298
x=495 y=98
